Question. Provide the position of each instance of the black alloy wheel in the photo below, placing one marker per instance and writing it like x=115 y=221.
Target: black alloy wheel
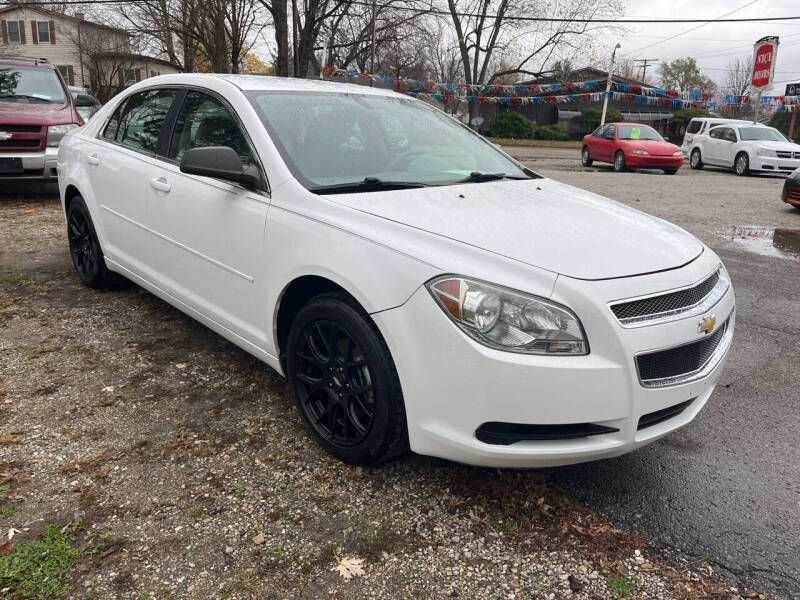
x=344 y=381
x=84 y=247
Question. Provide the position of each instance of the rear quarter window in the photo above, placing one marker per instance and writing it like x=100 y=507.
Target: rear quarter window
x=694 y=127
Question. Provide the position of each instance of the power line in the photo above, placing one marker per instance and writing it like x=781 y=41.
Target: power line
x=440 y=12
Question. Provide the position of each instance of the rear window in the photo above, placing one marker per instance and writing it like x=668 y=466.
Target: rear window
x=694 y=126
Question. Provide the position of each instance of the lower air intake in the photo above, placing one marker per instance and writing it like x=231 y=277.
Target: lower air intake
x=503 y=434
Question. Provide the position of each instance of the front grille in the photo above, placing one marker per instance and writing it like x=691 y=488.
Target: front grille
x=665 y=302
x=680 y=360
x=659 y=416
x=787 y=154
x=20 y=143
x=504 y=434
x=21 y=128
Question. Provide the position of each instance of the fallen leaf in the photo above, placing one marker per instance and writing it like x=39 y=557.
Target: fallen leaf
x=574 y=584
x=12 y=532
x=6 y=548
x=259 y=539
x=108 y=389
x=350 y=567
x=30 y=211
x=180 y=365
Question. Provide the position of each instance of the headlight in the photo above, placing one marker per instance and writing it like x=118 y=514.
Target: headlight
x=508 y=320
x=55 y=133
x=640 y=151
x=766 y=152
x=678 y=153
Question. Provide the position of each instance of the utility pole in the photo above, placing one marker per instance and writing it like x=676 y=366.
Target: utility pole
x=608 y=85
x=644 y=62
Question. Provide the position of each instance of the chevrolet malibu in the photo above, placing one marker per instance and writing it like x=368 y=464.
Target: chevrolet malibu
x=419 y=288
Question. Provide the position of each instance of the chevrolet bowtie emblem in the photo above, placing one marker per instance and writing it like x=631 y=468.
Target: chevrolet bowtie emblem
x=5 y=136
x=707 y=325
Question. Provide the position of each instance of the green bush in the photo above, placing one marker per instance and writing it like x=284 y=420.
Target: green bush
x=591 y=115
x=781 y=120
x=684 y=115
x=513 y=125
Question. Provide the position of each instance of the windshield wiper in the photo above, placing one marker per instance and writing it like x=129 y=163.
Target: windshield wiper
x=25 y=96
x=368 y=184
x=478 y=177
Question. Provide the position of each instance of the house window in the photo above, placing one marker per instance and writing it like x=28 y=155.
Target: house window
x=43 y=31
x=64 y=70
x=13 y=32
x=130 y=76
x=155 y=73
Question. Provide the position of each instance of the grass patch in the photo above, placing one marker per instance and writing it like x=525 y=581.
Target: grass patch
x=8 y=275
x=8 y=505
x=42 y=568
x=622 y=586
x=534 y=143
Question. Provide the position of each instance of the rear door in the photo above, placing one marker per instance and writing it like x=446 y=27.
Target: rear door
x=728 y=146
x=712 y=145
x=694 y=127
x=120 y=165
x=210 y=232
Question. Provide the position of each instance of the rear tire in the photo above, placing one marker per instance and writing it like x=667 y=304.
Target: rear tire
x=586 y=159
x=344 y=382
x=695 y=160
x=84 y=247
x=671 y=171
x=741 y=165
x=619 y=161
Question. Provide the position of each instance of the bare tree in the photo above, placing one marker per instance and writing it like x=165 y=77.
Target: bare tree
x=107 y=54
x=737 y=77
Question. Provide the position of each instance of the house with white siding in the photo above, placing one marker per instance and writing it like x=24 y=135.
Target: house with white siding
x=87 y=54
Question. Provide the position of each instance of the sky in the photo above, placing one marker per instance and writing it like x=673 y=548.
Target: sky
x=714 y=44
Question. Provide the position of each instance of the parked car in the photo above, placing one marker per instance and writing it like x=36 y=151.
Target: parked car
x=745 y=148
x=416 y=285
x=36 y=111
x=85 y=111
x=631 y=145
x=791 y=189
x=699 y=126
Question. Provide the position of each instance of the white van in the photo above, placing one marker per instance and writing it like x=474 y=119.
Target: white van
x=700 y=126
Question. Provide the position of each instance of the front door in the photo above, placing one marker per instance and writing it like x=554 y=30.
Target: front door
x=211 y=232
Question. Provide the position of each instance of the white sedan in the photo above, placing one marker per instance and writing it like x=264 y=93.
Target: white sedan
x=746 y=148
x=418 y=287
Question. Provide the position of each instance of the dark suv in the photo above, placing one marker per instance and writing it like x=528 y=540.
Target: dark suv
x=36 y=111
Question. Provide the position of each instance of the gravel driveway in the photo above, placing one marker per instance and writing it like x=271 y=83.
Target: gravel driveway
x=186 y=472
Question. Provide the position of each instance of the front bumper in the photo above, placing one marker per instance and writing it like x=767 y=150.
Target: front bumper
x=37 y=166
x=651 y=161
x=453 y=385
x=776 y=165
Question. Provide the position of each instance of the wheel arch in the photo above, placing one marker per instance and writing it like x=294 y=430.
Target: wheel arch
x=70 y=193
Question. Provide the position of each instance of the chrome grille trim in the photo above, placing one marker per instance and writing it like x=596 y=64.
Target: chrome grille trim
x=691 y=310
x=719 y=353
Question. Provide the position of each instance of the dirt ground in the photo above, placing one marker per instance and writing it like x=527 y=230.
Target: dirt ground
x=188 y=474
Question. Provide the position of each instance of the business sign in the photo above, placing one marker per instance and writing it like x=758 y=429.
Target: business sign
x=792 y=89
x=764 y=59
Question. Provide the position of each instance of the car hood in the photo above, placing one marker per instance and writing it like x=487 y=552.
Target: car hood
x=652 y=146
x=772 y=145
x=540 y=222
x=22 y=112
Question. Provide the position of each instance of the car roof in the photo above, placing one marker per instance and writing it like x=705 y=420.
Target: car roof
x=21 y=61
x=741 y=124
x=268 y=83
x=630 y=123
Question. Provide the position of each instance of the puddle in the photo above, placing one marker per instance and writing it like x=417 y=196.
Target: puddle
x=766 y=241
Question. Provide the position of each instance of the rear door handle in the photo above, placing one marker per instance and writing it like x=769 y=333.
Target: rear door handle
x=161 y=185
x=93 y=160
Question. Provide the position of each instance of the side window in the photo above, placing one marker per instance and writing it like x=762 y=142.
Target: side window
x=729 y=135
x=610 y=132
x=694 y=127
x=715 y=133
x=110 y=131
x=144 y=114
x=598 y=132
x=205 y=121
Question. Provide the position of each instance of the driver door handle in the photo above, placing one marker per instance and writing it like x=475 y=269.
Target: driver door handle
x=92 y=159
x=161 y=185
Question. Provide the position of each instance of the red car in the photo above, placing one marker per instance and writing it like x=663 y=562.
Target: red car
x=631 y=145
x=36 y=111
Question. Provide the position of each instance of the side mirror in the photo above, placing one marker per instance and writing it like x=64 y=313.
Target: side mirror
x=84 y=100
x=220 y=162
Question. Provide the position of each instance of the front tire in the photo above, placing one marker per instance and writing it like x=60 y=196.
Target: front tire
x=695 y=159
x=84 y=247
x=741 y=165
x=344 y=382
x=586 y=159
x=619 y=162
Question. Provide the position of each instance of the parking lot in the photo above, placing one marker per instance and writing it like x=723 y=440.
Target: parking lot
x=193 y=476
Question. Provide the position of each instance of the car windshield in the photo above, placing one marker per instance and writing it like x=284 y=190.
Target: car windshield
x=330 y=139
x=767 y=134
x=637 y=132
x=31 y=83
